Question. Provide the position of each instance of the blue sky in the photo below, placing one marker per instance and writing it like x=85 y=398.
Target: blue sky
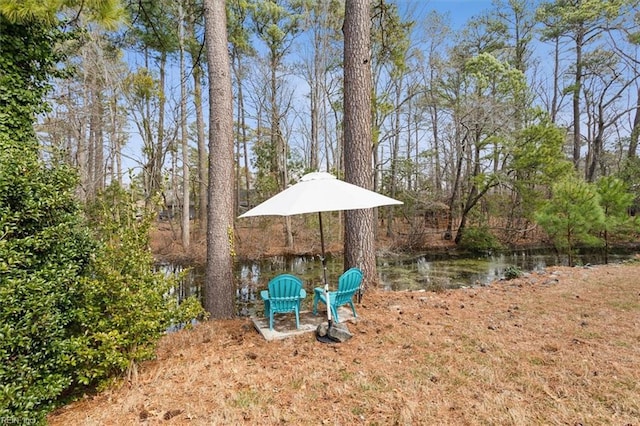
x=459 y=10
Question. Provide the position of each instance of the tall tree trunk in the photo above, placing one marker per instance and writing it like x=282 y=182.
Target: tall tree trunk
x=395 y=149
x=97 y=125
x=158 y=155
x=435 y=117
x=335 y=151
x=285 y=179
x=359 y=225
x=635 y=131
x=146 y=131
x=90 y=184
x=459 y=154
x=595 y=156
x=314 y=99
x=115 y=139
x=576 y=102
x=202 y=148
x=219 y=286
x=203 y=159
x=416 y=157
x=236 y=62
x=556 y=80
x=186 y=193
x=280 y=147
x=245 y=144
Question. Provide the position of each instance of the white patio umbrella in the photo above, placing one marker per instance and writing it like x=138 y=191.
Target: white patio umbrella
x=316 y=193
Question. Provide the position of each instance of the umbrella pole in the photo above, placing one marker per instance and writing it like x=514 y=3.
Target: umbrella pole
x=324 y=271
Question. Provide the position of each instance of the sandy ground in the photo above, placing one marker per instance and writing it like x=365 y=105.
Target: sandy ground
x=561 y=347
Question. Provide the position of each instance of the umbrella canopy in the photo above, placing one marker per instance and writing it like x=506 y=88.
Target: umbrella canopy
x=316 y=193
x=319 y=192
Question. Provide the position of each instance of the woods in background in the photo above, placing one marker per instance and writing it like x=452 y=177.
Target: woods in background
x=454 y=112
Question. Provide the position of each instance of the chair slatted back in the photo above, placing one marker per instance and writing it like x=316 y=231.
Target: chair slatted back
x=348 y=284
x=284 y=292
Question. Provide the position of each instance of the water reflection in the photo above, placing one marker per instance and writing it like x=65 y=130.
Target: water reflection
x=248 y=286
x=412 y=272
x=436 y=272
x=190 y=280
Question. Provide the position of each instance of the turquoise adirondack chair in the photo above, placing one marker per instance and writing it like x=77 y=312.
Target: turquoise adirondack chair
x=348 y=285
x=284 y=295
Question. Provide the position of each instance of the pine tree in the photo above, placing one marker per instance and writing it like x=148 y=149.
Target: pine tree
x=573 y=216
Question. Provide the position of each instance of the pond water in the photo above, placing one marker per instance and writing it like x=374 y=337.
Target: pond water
x=431 y=272
x=403 y=272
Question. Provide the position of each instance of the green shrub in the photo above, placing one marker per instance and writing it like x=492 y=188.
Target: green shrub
x=126 y=306
x=479 y=239
x=78 y=306
x=44 y=252
x=573 y=216
x=512 y=272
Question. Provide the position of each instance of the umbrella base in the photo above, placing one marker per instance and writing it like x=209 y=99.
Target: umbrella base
x=325 y=339
x=333 y=333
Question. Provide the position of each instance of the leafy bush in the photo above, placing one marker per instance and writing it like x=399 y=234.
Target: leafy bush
x=479 y=239
x=78 y=306
x=44 y=252
x=512 y=272
x=126 y=306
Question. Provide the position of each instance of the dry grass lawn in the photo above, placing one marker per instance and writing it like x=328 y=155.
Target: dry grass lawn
x=560 y=347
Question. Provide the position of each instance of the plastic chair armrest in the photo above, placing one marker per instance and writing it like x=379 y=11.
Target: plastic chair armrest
x=264 y=294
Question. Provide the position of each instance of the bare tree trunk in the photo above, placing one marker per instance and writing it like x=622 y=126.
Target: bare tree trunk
x=576 y=103
x=285 y=179
x=635 y=131
x=395 y=149
x=219 y=286
x=97 y=124
x=313 y=149
x=454 y=192
x=100 y=164
x=280 y=146
x=158 y=155
x=416 y=158
x=245 y=146
x=202 y=148
x=186 y=193
x=115 y=139
x=337 y=149
x=556 y=81
x=90 y=183
x=435 y=117
x=82 y=157
x=242 y=126
x=359 y=225
x=595 y=153
x=314 y=99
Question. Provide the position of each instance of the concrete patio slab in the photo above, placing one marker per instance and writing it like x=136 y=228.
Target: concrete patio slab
x=284 y=325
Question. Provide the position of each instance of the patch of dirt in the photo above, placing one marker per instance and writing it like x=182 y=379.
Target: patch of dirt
x=557 y=347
